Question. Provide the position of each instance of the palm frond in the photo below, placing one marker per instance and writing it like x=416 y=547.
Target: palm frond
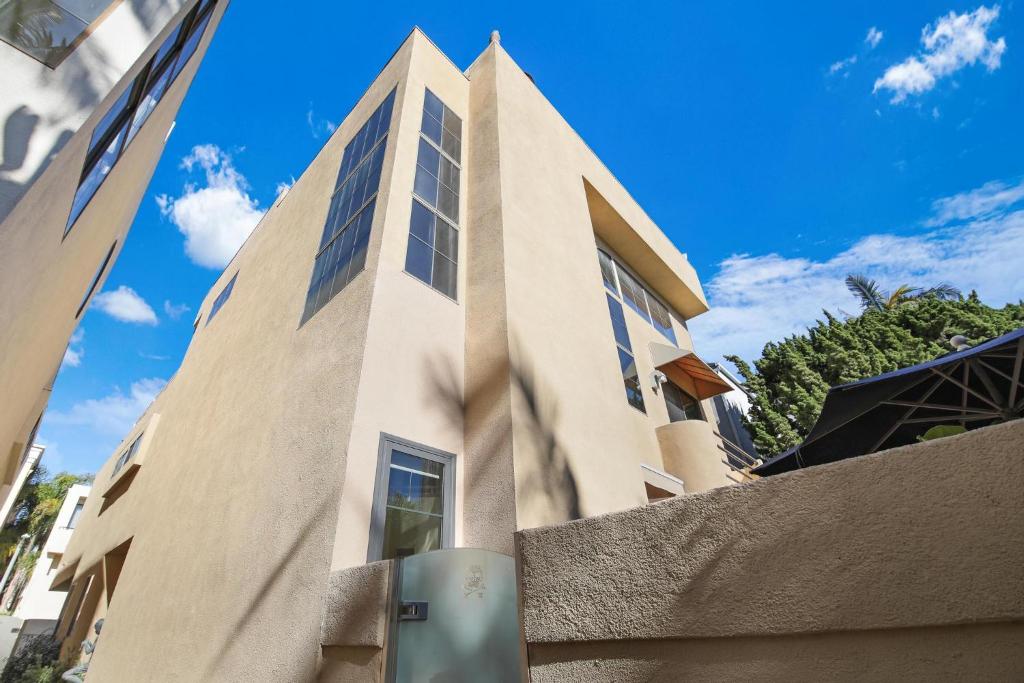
x=943 y=292
x=867 y=291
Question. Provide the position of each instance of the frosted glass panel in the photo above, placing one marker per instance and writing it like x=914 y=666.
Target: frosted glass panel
x=471 y=632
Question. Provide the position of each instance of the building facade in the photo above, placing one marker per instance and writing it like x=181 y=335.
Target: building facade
x=456 y=324
x=91 y=90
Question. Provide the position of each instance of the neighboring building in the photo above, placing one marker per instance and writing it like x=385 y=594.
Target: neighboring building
x=456 y=324
x=79 y=80
x=731 y=408
x=36 y=600
x=33 y=606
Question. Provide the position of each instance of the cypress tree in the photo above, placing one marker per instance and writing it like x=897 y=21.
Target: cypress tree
x=789 y=381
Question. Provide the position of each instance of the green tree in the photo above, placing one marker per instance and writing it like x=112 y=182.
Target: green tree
x=873 y=298
x=789 y=381
x=36 y=508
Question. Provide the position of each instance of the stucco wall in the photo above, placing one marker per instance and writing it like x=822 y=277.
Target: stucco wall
x=43 y=273
x=906 y=563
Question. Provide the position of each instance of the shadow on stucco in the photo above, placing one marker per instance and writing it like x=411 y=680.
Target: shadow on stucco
x=19 y=128
x=551 y=483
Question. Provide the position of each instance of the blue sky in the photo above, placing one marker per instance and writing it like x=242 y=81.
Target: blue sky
x=780 y=147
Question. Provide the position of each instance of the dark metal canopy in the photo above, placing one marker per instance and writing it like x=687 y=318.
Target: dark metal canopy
x=973 y=388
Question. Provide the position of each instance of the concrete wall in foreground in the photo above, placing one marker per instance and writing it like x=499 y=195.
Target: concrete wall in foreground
x=907 y=564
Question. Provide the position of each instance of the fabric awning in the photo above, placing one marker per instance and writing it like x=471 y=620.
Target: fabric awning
x=705 y=380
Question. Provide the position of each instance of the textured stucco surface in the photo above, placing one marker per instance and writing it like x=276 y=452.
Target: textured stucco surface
x=43 y=274
x=924 y=536
x=989 y=652
x=355 y=606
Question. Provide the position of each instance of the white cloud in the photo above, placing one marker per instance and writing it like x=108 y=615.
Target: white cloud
x=126 y=305
x=953 y=42
x=52 y=458
x=175 y=311
x=319 y=127
x=113 y=414
x=981 y=202
x=283 y=187
x=153 y=356
x=215 y=219
x=760 y=298
x=873 y=38
x=842 y=65
x=75 y=351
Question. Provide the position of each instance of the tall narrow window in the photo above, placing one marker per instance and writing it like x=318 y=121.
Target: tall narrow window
x=433 y=252
x=76 y=513
x=222 y=298
x=96 y=279
x=124 y=120
x=412 y=509
x=627 y=362
x=346 y=236
x=126 y=457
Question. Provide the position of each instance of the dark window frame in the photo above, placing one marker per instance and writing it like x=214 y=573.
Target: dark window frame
x=353 y=231
x=634 y=394
x=116 y=136
x=450 y=127
x=681 y=407
x=389 y=443
x=222 y=298
x=96 y=280
x=636 y=287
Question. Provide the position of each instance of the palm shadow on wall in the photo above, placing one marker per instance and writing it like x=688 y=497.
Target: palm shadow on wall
x=550 y=482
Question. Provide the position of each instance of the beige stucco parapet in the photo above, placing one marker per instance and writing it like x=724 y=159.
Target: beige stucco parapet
x=355 y=606
x=921 y=537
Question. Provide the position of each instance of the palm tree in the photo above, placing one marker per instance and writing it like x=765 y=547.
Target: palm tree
x=873 y=298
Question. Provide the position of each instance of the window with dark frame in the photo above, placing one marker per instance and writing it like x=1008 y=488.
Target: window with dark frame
x=681 y=406
x=621 y=283
x=126 y=456
x=627 y=362
x=413 y=499
x=96 y=280
x=433 y=249
x=125 y=118
x=76 y=513
x=221 y=299
x=346 y=236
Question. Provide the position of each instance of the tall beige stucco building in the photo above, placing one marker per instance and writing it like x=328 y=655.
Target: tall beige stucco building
x=88 y=95
x=456 y=324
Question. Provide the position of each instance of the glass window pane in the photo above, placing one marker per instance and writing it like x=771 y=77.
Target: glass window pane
x=86 y=10
x=362 y=242
x=618 y=323
x=415 y=483
x=422 y=222
x=681 y=406
x=633 y=293
x=607 y=271
x=444 y=275
x=433 y=105
x=431 y=127
x=452 y=123
x=661 y=318
x=95 y=178
x=448 y=203
x=148 y=104
x=631 y=380
x=451 y=146
x=40 y=28
x=408 y=533
x=167 y=46
x=449 y=175
x=419 y=259
x=425 y=186
x=447 y=241
x=428 y=157
x=190 y=45
x=109 y=118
